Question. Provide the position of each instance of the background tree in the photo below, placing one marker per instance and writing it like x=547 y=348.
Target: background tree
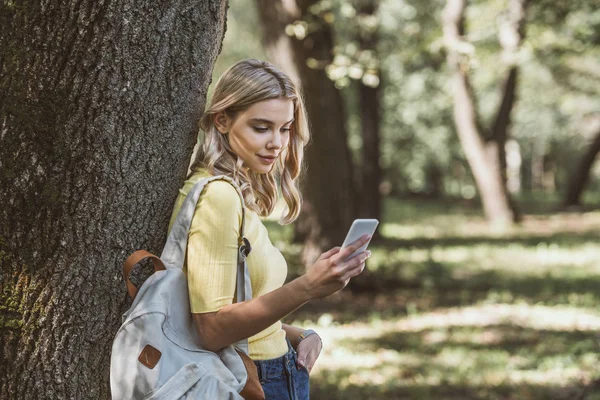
x=484 y=151
x=275 y=17
x=328 y=189
x=99 y=103
x=581 y=174
x=369 y=99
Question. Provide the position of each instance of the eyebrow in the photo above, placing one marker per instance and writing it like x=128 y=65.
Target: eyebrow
x=266 y=121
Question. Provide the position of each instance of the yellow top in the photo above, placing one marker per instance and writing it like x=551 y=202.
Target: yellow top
x=211 y=260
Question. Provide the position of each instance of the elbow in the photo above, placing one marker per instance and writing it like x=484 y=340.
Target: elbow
x=208 y=336
x=211 y=344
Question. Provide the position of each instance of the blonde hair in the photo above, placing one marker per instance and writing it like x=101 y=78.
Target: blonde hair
x=242 y=85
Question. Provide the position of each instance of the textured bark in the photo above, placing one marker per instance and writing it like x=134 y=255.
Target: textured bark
x=485 y=154
x=370 y=117
x=581 y=174
x=328 y=189
x=99 y=103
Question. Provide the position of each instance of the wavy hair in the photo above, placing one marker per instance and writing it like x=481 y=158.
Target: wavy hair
x=242 y=85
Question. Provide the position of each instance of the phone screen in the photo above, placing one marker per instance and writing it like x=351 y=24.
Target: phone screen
x=360 y=227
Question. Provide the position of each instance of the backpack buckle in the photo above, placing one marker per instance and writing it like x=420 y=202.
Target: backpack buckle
x=245 y=247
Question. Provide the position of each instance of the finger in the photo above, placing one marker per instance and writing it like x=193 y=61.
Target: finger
x=356 y=260
x=329 y=253
x=356 y=265
x=306 y=360
x=310 y=363
x=352 y=273
x=348 y=250
x=301 y=353
x=301 y=361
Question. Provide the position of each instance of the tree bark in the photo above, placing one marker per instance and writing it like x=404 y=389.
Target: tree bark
x=486 y=155
x=370 y=116
x=371 y=170
x=581 y=174
x=99 y=109
x=328 y=189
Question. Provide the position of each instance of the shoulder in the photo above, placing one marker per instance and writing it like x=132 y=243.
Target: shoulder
x=222 y=195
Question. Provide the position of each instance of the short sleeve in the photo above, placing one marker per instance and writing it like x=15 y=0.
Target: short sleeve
x=212 y=247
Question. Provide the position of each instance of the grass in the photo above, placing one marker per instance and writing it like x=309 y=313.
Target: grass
x=449 y=309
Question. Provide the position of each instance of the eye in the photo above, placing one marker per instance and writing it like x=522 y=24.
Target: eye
x=286 y=130
x=260 y=129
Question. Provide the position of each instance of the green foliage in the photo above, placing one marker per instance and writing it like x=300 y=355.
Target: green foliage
x=451 y=309
x=555 y=116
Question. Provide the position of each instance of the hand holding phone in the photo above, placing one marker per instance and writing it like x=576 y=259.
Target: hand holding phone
x=359 y=228
x=331 y=273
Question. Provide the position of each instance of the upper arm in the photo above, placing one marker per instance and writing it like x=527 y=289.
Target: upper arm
x=212 y=248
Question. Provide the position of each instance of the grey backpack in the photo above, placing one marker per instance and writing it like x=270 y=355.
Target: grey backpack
x=155 y=354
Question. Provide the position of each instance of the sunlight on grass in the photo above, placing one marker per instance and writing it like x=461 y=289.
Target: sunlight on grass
x=513 y=258
x=482 y=346
x=449 y=309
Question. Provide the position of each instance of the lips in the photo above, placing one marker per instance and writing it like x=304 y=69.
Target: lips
x=267 y=159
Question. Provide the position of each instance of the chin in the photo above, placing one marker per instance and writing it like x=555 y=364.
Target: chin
x=262 y=169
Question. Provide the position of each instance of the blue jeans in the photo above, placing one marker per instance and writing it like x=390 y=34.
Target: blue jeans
x=281 y=379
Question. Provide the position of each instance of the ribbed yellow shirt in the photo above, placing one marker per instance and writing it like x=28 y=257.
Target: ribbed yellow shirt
x=211 y=261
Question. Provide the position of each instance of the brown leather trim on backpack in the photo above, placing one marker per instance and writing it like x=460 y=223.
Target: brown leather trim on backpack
x=149 y=356
x=253 y=389
x=131 y=261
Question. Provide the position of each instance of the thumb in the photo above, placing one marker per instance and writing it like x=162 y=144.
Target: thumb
x=301 y=361
x=302 y=358
x=329 y=253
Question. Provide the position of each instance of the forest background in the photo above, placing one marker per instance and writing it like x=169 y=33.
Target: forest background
x=469 y=129
x=458 y=300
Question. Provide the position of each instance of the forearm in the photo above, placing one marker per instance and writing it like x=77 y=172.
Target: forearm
x=235 y=322
x=241 y=320
x=292 y=333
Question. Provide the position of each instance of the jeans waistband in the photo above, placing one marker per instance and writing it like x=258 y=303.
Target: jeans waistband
x=275 y=367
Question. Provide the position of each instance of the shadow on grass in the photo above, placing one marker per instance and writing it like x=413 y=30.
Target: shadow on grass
x=535 y=344
x=525 y=240
x=326 y=388
x=466 y=362
x=418 y=208
x=385 y=294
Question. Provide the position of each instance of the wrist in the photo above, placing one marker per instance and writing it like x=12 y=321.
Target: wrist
x=309 y=333
x=306 y=333
x=303 y=288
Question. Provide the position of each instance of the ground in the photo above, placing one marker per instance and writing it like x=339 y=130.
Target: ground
x=449 y=309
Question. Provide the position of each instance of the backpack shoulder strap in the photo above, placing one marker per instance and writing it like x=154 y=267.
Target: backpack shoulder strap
x=173 y=254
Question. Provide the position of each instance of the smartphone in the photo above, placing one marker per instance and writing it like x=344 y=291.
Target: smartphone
x=360 y=227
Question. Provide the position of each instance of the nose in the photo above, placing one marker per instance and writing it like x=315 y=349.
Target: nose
x=275 y=142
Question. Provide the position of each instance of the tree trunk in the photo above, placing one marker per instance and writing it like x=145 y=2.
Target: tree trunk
x=329 y=196
x=581 y=174
x=371 y=171
x=275 y=15
x=486 y=155
x=370 y=116
x=99 y=109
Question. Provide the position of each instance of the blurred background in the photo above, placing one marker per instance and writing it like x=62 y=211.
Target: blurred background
x=470 y=131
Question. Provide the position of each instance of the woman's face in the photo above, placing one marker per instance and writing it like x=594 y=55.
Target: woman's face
x=259 y=134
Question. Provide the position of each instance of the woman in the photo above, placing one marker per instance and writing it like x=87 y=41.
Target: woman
x=255 y=132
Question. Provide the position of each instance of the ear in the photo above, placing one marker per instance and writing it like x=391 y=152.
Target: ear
x=222 y=122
